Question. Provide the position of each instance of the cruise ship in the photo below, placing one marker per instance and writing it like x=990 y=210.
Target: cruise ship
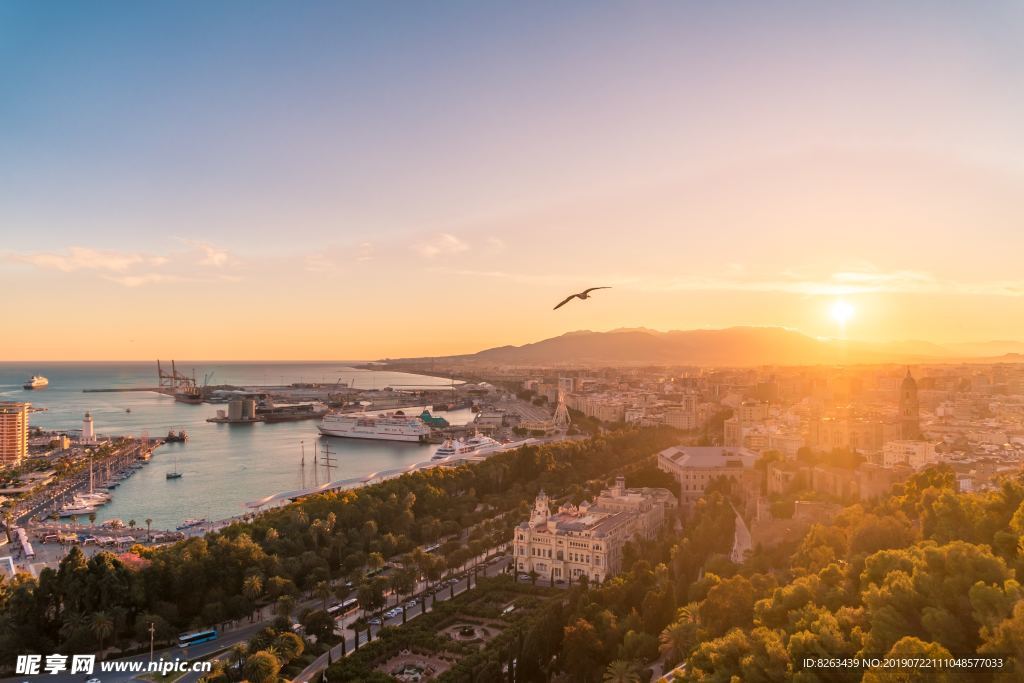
x=478 y=445
x=36 y=382
x=395 y=426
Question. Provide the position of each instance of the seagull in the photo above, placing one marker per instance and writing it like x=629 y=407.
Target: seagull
x=585 y=294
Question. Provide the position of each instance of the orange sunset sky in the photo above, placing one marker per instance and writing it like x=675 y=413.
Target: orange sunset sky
x=342 y=182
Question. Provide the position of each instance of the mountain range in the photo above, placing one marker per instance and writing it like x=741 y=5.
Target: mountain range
x=734 y=346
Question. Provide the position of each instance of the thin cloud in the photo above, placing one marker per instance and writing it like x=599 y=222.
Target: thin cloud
x=841 y=283
x=443 y=243
x=209 y=255
x=140 y=280
x=84 y=258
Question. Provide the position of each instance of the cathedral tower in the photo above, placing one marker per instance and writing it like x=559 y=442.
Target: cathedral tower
x=910 y=412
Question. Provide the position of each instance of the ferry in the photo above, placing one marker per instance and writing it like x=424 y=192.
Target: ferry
x=395 y=426
x=36 y=382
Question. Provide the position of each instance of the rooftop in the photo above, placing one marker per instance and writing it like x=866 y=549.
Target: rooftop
x=709 y=456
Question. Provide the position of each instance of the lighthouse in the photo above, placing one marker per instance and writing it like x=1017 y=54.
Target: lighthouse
x=88 y=432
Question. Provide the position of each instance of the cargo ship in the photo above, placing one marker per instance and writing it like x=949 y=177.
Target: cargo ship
x=395 y=426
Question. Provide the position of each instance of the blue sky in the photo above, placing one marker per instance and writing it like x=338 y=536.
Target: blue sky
x=754 y=153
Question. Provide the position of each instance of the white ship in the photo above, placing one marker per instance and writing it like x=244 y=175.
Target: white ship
x=478 y=445
x=395 y=426
x=36 y=382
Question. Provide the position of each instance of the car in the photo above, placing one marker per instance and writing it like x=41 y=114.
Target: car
x=374 y=621
x=523 y=577
x=411 y=604
x=392 y=613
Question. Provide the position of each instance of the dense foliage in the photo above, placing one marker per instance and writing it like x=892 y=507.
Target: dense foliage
x=307 y=547
x=927 y=572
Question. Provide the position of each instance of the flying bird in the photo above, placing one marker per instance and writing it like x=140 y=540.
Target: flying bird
x=585 y=294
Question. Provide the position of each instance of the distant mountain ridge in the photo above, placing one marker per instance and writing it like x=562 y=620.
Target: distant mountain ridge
x=733 y=346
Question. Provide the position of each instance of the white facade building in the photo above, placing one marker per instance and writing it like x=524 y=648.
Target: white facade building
x=587 y=540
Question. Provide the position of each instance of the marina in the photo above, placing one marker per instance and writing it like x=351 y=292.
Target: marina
x=222 y=466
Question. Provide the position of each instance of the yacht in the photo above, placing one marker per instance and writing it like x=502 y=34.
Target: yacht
x=76 y=509
x=36 y=382
x=476 y=445
x=395 y=426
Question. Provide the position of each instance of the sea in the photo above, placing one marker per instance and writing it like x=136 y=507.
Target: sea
x=223 y=466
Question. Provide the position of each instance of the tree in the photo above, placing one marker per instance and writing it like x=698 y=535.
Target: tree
x=621 y=671
x=102 y=626
x=583 y=650
x=910 y=647
x=319 y=624
x=289 y=646
x=729 y=604
x=679 y=638
x=757 y=656
x=323 y=592
x=261 y=667
x=284 y=606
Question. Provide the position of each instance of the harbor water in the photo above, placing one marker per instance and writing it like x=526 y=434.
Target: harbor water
x=223 y=466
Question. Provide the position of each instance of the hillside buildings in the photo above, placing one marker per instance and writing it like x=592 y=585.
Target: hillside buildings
x=13 y=433
x=588 y=539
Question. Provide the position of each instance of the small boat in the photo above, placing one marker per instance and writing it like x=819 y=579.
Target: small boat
x=175 y=473
x=127 y=410
x=191 y=523
x=179 y=437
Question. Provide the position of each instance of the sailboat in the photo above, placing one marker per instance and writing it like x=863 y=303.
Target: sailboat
x=175 y=473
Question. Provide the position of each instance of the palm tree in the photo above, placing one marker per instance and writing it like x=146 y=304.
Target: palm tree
x=217 y=670
x=92 y=519
x=323 y=591
x=621 y=671
x=679 y=637
x=252 y=588
x=131 y=524
x=102 y=627
x=285 y=605
x=149 y=523
x=262 y=667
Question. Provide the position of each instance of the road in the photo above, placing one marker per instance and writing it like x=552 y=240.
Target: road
x=320 y=663
x=245 y=632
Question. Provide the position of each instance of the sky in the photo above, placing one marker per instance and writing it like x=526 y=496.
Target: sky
x=339 y=180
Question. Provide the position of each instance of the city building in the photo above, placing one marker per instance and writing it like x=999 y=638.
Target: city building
x=13 y=433
x=913 y=453
x=588 y=539
x=695 y=467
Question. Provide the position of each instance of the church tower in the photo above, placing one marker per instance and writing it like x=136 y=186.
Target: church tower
x=910 y=412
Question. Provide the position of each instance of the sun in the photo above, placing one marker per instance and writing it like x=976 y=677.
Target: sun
x=842 y=311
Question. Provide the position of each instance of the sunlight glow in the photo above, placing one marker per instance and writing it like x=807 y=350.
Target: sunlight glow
x=842 y=311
